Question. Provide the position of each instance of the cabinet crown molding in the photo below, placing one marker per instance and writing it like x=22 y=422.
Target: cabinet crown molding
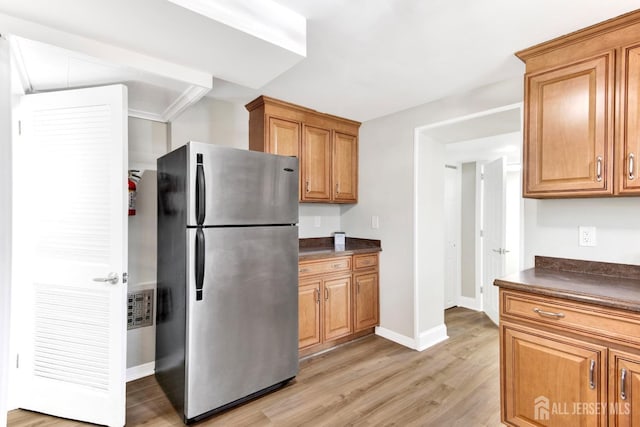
x=581 y=35
x=263 y=100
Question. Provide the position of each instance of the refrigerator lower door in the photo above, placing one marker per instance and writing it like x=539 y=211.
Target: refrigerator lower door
x=242 y=336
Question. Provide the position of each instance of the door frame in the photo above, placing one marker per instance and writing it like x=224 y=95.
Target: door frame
x=457 y=286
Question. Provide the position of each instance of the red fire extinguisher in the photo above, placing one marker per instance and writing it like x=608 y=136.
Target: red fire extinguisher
x=133 y=180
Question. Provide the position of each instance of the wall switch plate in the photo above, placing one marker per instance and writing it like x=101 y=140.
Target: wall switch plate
x=317 y=221
x=375 y=221
x=587 y=236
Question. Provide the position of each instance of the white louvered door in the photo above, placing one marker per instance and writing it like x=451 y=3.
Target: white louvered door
x=70 y=197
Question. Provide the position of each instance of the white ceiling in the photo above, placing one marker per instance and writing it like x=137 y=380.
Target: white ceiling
x=365 y=58
x=369 y=58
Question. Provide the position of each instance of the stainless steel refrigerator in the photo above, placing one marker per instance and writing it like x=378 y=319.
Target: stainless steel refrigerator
x=227 y=309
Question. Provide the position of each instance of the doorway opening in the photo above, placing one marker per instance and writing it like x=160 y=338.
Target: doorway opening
x=482 y=204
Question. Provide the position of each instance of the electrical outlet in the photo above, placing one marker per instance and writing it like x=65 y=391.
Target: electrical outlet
x=317 y=221
x=587 y=236
x=375 y=222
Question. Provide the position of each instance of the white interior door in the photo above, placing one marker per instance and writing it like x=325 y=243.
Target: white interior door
x=493 y=246
x=5 y=223
x=71 y=224
x=451 y=235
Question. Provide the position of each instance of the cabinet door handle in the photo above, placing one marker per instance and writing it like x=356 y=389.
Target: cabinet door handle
x=317 y=295
x=307 y=186
x=632 y=167
x=592 y=368
x=599 y=168
x=326 y=294
x=337 y=188
x=623 y=384
x=548 y=313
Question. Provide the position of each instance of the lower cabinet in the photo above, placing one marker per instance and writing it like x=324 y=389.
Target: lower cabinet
x=564 y=363
x=309 y=313
x=624 y=388
x=337 y=307
x=545 y=375
x=366 y=300
x=337 y=301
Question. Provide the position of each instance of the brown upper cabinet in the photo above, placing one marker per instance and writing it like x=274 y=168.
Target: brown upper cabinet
x=582 y=112
x=326 y=146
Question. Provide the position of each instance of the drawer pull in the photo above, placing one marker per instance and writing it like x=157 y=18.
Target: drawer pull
x=337 y=265
x=548 y=313
x=592 y=368
x=303 y=270
x=623 y=384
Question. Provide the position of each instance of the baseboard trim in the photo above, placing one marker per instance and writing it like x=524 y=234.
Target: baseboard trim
x=140 y=371
x=431 y=337
x=396 y=337
x=470 y=303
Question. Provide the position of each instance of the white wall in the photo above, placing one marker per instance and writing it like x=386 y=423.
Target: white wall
x=551 y=229
x=312 y=214
x=147 y=142
x=213 y=121
x=5 y=223
x=386 y=189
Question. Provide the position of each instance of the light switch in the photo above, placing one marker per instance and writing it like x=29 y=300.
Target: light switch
x=317 y=221
x=375 y=221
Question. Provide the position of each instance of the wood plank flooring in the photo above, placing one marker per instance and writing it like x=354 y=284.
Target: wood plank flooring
x=366 y=383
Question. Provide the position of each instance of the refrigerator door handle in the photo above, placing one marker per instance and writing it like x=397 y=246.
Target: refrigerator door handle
x=200 y=191
x=199 y=262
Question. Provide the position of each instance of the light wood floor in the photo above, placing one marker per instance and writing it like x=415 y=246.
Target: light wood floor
x=369 y=382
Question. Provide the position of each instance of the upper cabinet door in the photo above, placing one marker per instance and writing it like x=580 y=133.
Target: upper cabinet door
x=284 y=137
x=316 y=164
x=345 y=168
x=628 y=148
x=568 y=142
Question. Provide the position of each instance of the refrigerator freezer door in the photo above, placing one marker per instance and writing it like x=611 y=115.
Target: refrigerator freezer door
x=243 y=335
x=240 y=187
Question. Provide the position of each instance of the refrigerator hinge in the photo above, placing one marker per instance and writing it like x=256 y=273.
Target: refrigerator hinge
x=125 y=277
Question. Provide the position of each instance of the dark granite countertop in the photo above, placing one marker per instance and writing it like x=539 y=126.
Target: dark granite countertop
x=605 y=284
x=322 y=247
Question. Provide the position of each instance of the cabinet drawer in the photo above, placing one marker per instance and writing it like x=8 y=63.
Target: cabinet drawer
x=331 y=265
x=365 y=261
x=587 y=319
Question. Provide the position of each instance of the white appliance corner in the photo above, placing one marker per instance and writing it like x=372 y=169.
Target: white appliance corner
x=141 y=371
x=396 y=337
x=431 y=337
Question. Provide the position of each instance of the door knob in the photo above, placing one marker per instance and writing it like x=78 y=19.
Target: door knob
x=111 y=278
